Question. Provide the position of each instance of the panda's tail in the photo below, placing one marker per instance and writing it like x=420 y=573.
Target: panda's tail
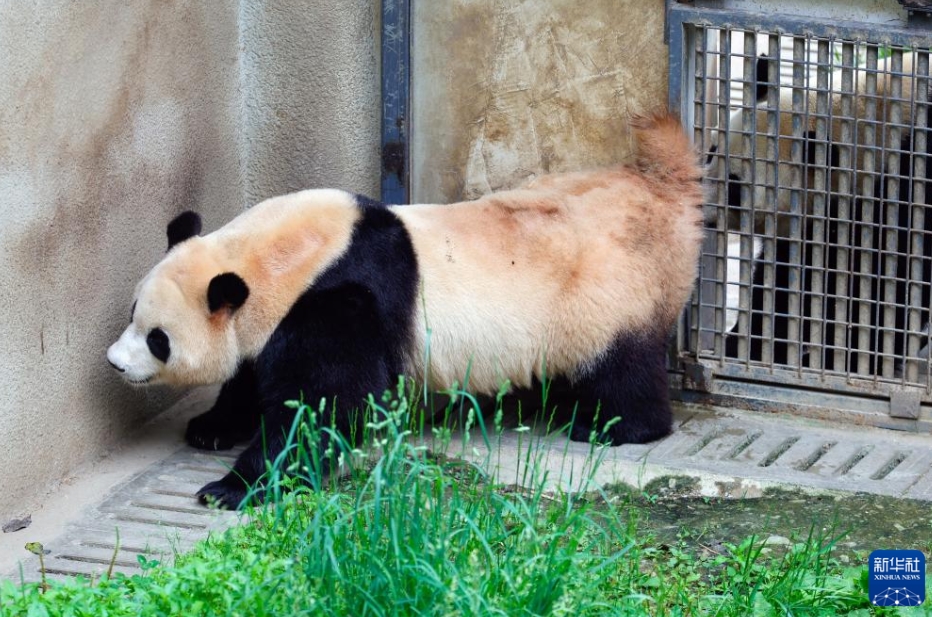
x=664 y=150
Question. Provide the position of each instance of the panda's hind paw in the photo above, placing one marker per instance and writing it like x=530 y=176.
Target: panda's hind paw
x=617 y=434
x=583 y=432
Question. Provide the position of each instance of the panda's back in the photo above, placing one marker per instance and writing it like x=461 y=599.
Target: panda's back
x=556 y=270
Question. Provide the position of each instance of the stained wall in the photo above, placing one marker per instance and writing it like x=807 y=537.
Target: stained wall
x=504 y=90
x=115 y=116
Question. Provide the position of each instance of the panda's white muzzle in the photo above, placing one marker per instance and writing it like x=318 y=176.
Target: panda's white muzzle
x=130 y=356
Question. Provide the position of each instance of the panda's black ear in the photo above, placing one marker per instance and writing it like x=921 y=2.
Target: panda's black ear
x=226 y=290
x=185 y=225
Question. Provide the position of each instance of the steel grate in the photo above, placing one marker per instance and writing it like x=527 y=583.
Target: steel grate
x=817 y=268
x=156 y=514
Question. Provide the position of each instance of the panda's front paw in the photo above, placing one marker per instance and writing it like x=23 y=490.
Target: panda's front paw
x=208 y=432
x=227 y=493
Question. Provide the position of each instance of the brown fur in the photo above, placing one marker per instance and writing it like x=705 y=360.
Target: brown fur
x=664 y=153
x=572 y=261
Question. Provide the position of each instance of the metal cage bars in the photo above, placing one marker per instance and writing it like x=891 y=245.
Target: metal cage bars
x=816 y=269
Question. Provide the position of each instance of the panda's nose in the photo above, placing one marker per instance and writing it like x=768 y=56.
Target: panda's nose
x=122 y=370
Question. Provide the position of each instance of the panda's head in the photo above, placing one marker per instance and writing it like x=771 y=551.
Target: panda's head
x=181 y=330
x=757 y=158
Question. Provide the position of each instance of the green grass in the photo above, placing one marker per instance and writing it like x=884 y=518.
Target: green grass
x=409 y=532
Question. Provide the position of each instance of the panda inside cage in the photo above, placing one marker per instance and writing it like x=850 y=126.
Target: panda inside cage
x=818 y=258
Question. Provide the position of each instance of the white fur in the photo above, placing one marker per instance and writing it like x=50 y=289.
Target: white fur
x=130 y=354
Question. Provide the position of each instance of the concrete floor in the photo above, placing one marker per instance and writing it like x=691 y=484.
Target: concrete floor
x=147 y=488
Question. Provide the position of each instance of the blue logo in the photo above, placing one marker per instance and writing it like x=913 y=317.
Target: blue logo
x=897 y=578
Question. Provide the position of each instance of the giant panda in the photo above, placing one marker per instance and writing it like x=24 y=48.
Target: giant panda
x=807 y=141
x=326 y=294
x=881 y=220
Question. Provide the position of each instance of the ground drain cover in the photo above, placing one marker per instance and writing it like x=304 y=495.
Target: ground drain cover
x=800 y=452
x=156 y=514
x=732 y=453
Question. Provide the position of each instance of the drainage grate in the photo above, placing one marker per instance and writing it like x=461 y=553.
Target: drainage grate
x=156 y=514
x=779 y=451
x=730 y=454
x=799 y=452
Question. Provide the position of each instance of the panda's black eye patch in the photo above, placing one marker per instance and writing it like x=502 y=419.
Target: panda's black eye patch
x=158 y=344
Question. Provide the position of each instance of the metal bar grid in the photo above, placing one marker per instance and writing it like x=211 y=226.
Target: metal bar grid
x=817 y=266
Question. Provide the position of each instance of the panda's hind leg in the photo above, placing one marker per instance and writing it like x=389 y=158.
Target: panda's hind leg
x=234 y=417
x=624 y=397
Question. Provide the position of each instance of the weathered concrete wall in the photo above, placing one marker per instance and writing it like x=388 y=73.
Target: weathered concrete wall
x=505 y=89
x=311 y=95
x=114 y=116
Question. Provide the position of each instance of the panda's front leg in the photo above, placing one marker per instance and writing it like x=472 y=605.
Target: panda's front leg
x=342 y=379
x=252 y=464
x=333 y=345
x=230 y=491
x=234 y=417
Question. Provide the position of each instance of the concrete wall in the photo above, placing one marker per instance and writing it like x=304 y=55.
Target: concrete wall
x=311 y=95
x=506 y=89
x=114 y=116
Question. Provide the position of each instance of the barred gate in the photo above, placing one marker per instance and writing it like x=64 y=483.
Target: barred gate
x=816 y=273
